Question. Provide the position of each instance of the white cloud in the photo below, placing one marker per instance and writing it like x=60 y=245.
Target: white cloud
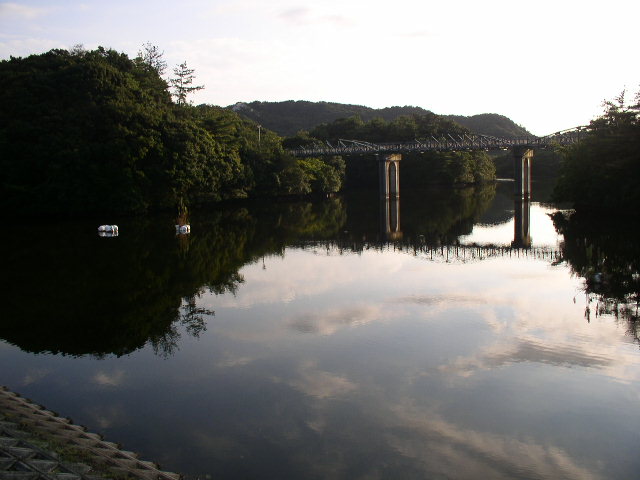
x=10 y=10
x=107 y=416
x=329 y=321
x=476 y=454
x=112 y=379
x=23 y=47
x=229 y=361
x=321 y=384
x=35 y=375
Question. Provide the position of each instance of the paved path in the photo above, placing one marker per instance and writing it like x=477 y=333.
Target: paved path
x=24 y=426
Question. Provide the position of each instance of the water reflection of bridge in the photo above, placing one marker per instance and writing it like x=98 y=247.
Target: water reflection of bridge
x=391 y=231
x=443 y=253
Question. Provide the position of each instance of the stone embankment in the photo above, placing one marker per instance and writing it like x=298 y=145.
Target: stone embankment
x=36 y=444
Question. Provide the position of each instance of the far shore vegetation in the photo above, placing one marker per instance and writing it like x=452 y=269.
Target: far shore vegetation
x=89 y=131
x=601 y=174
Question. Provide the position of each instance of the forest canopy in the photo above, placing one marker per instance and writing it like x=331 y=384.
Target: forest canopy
x=96 y=131
x=90 y=131
x=602 y=172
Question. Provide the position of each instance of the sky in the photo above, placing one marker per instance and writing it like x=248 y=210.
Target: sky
x=547 y=65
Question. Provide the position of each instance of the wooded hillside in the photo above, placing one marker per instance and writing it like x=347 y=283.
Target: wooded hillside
x=289 y=117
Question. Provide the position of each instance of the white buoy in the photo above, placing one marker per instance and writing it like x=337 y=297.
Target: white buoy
x=183 y=228
x=108 y=228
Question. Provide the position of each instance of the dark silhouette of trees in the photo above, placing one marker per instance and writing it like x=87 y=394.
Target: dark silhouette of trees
x=602 y=172
x=94 y=131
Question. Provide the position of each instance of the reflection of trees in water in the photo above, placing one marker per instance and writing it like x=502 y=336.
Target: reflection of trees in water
x=192 y=318
x=432 y=216
x=606 y=253
x=73 y=293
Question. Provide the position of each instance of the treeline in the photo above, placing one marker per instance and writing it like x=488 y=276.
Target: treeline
x=491 y=124
x=602 y=172
x=90 y=131
x=426 y=168
x=289 y=117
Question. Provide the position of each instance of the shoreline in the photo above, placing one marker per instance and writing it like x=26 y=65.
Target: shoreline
x=35 y=439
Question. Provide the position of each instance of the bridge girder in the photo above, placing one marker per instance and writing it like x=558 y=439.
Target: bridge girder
x=448 y=143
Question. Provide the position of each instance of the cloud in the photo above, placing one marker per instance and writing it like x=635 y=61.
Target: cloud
x=302 y=274
x=321 y=384
x=532 y=350
x=306 y=16
x=229 y=361
x=15 y=10
x=35 y=375
x=108 y=416
x=112 y=380
x=438 y=300
x=15 y=46
x=330 y=321
x=295 y=15
x=475 y=454
x=419 y=34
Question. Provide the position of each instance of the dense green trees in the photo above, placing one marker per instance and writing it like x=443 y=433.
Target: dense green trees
x=602 y=172
x=402 y=128
x=88 y=131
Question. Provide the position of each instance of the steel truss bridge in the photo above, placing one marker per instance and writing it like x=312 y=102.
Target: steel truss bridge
x=443 y=143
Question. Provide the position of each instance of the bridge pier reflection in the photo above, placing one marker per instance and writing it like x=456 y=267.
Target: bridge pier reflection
x=390 y=219
x=521 y=223
x=522 y=157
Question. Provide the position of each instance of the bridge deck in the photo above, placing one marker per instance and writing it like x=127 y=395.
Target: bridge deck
x=449 y=143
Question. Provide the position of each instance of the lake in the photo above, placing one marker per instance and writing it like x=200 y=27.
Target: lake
x=453 y=334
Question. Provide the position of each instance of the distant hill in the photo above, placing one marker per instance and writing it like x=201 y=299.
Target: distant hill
x=491 y=124
x=289 y=117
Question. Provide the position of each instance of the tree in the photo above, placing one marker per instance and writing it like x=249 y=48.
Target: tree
x=151 y=56
x=602 y=172
x=182 y=83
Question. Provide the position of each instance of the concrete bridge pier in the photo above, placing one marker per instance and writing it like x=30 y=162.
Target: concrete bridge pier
x=522 y=157
x=389 y=174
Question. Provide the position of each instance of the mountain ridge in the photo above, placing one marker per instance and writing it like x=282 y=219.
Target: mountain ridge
x=289 y=117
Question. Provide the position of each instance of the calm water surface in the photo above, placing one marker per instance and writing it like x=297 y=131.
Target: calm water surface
x=309 y=341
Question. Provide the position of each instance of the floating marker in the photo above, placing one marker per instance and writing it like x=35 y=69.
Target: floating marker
x=181 y=229
x=108 y=230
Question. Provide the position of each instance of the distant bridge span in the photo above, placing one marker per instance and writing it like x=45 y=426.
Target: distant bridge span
x=390 y=154
x=444 y=143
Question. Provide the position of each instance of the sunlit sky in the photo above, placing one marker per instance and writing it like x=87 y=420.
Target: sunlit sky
x=547 y=65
